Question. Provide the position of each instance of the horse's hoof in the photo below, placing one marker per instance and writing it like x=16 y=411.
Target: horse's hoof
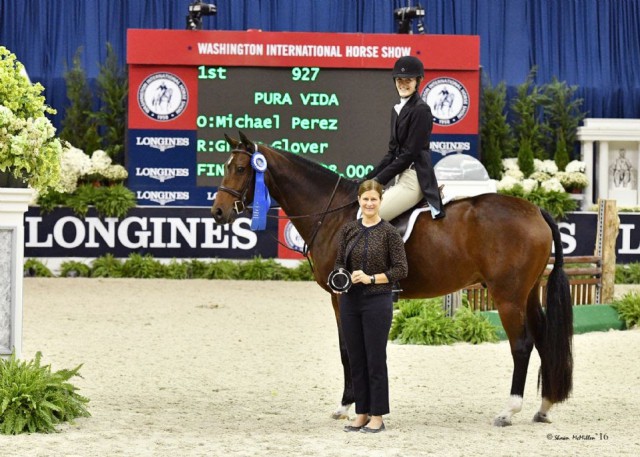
x=502 y=421
x=341 y=413
x=541 y=417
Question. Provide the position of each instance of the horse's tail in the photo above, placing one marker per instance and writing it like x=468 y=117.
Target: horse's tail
x=556 y=356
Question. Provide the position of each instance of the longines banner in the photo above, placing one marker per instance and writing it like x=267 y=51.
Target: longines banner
x=176 y=233
x=192 y=233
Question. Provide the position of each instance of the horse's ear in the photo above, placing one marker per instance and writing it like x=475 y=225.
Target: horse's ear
x=232 y=141
x=246 y=141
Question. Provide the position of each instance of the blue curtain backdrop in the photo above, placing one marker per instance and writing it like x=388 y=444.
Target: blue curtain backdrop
x=593 y=44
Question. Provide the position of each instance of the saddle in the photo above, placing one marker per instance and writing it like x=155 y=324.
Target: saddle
x=404 y=223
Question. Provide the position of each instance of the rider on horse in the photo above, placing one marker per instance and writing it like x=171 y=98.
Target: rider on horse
x=409 y=158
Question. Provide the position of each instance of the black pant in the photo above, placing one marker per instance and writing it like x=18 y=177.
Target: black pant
x=365 y=322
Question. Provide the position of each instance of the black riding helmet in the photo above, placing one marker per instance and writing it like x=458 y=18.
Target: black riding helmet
x=408 y=67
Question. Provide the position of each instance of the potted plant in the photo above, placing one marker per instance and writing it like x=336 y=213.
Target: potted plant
x=29 y=151
x=573 y=178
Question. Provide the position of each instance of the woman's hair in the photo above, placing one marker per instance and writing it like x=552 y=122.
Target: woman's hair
x=370 y=184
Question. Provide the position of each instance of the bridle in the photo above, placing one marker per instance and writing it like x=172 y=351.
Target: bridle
x=239 y=205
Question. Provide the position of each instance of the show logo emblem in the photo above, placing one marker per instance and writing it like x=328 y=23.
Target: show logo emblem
x=163 y=96
x=162 y=174
x=162 y=197
x=293 y=238
x=162 y=143
x=448 y=99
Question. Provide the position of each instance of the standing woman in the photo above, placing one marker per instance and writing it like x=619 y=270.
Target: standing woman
x=373 y=251
x=409 y=157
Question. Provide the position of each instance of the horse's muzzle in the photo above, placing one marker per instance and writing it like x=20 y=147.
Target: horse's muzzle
x=218 y=216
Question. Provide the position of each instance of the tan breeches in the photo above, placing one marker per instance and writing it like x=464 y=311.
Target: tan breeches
x=404 y=194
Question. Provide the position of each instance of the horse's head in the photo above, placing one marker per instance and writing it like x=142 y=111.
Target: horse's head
x=236 y=190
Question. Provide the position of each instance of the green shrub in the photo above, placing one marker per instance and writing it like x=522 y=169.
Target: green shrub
x=525 y=157
x=35 y=399
x=177 y=270
x=562 y=113
x=473 y=327
x=412 y=308
x=529 y=130
x=222 y=269
x=197 y=268
x=145 y=266
x=556 y=203
x=106 y=266
x=109 y=201
x=424 y=322
x=74 y=269
x=49 y=201
x=81 y=199
x=495 y=132
x=112 y=92
x=34 y=267
x=259 y=269
x=397 y=325
x=114 y=201
x=301 y=272
x=628 y=274
x=628 y=308
x=561 y=157
x=139 y=266
x=79 y=126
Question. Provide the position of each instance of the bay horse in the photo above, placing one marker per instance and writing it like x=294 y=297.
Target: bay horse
x=503 y=242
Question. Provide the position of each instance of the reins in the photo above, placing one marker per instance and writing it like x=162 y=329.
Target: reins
x=307 y=246
x=240 y=206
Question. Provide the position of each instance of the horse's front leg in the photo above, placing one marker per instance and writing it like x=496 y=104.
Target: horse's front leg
x=347 y=395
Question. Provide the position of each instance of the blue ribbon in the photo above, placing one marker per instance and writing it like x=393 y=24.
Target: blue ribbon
x=261 y=197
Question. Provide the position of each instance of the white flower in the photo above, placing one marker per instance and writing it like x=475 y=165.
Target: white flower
x=507 y=183
x=76 y=161
x=115 y=173
x=540 y=176
x=100 y=161
x=573 y=180
x=510 y=164
x=576 y=166
x=529 y=185
x=545 y=166
x=552 y=185
x=578 y=179
x=514 y=173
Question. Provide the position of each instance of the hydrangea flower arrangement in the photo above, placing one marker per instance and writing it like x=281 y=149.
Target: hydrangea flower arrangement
x=546 y=176
x=29 y=149
x=78 y=167
x=103 y=168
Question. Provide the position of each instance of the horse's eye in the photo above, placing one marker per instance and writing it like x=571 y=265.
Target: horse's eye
x=241 y=169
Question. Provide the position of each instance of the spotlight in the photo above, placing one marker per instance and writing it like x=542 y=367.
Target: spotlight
x=196 y=11
x=405 y=15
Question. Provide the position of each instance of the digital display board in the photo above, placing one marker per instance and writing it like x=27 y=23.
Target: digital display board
x=327 y=97
x=338 y=117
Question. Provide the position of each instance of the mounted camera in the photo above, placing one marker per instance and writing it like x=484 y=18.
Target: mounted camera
x=405 y=15
x=196 y=11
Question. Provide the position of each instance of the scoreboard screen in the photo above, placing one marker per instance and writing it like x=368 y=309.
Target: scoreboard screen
x=327 y=97
x=338 y=117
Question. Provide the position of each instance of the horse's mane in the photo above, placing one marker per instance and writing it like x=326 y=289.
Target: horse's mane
x=322 y=172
